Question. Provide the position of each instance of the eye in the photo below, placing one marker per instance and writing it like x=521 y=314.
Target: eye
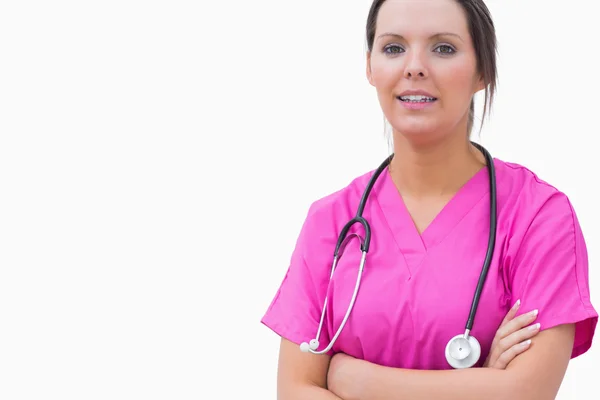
x=445 y=49
x=393 y=49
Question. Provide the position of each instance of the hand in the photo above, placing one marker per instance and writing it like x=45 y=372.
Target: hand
x=344 y=376
x=512 y=338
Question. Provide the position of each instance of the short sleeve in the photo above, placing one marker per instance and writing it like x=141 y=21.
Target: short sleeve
x=295 y=311
x=550 y=272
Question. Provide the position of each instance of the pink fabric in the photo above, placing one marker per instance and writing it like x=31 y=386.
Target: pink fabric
x=416 y=290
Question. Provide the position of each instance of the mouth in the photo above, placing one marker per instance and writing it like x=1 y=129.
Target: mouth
x=417 y=99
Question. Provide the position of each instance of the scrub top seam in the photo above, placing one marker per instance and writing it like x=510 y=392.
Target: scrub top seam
x=575 y=254
x=452 y=230
x=530 y=172
x=387 y=223
x=457 y=224
x=518 y=252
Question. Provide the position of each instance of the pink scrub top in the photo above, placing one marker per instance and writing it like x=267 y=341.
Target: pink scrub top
x=416 y=290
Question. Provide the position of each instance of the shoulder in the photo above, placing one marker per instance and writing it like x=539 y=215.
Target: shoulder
x=338 y=206
x=324 y=220
x=534 y=215
x=326 y=217
x=524 y=195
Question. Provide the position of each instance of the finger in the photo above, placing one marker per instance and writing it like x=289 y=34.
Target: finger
x=518 y=337
x=517 y=323
x=507 y=318
x=509 y=326
x=502 y=345
x=511 y=313
x=511 y=353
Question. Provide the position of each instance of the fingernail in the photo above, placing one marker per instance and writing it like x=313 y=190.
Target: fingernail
x=526 y=343
x=517 y=304
x=534 y=327
x=533 y=313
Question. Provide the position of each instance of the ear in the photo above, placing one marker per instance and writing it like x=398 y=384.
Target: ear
x=369 y=73
x=480 y=84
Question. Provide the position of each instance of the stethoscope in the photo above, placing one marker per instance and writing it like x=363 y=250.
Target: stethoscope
x=463 y=350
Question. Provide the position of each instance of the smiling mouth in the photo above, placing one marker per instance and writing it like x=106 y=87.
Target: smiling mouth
x=417 y=99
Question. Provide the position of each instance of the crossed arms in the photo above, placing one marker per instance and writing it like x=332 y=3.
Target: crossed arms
x=534 y=374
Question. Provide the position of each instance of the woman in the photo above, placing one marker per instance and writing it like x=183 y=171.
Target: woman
x=429 y=213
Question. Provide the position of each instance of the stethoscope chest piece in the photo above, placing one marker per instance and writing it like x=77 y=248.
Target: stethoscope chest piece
x=463 y=351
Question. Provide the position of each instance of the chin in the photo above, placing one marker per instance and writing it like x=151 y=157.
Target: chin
x=417 y=131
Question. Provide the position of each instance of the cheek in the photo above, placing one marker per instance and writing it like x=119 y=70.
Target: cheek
x=385 y=75
x=457 y=80
x=385 y=78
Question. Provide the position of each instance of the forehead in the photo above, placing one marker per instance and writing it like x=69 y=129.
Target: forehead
x=422 y=17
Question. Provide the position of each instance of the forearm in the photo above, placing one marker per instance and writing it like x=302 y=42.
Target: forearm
x=384 y=383
x=533 y=375
x=307 y=391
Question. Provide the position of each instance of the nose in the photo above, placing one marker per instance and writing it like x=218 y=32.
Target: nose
x=415 y=66
x=412 y=72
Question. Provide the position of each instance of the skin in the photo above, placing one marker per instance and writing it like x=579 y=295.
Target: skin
x=505 y=375
x=433 y=156
x=433 y=159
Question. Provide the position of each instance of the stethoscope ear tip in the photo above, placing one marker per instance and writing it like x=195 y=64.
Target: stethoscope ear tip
x=306 y=347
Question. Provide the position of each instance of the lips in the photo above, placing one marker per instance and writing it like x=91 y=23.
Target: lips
x=417 y=102
x=417 y=99
x=416 y=95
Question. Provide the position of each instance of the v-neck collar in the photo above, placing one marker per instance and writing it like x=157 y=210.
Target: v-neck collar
x=412 y=244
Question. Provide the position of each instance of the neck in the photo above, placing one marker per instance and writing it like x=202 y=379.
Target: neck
x=434 y=169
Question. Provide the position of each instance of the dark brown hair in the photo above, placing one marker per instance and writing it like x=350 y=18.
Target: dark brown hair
x=483 y=35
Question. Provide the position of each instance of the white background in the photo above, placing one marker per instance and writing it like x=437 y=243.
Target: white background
x=145 y=147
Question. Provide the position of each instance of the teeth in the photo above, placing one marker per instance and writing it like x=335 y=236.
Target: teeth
x=416 y=98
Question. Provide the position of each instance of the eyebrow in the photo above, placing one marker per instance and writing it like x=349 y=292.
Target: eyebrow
x=437 y=35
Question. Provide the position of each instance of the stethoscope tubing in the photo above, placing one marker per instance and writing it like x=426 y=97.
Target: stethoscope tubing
x=466 y=356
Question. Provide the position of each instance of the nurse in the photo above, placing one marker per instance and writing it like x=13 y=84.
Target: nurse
x=429 y=214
